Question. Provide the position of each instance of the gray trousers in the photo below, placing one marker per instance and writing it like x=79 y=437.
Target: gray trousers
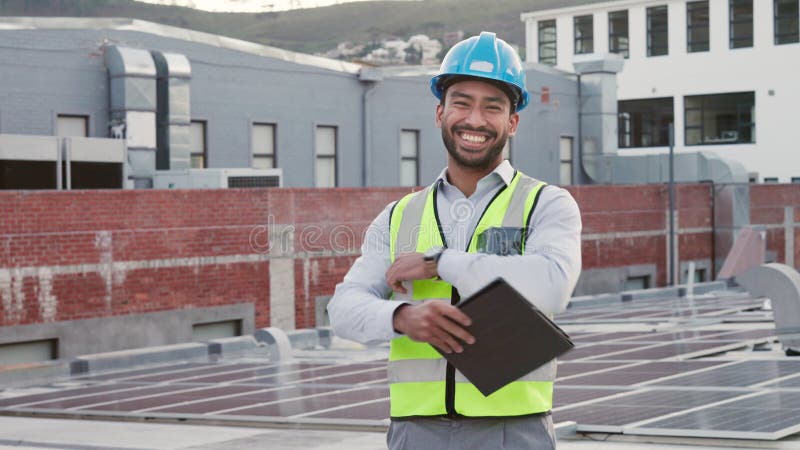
x=535 y=432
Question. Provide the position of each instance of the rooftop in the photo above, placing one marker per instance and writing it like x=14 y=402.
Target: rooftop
x=143 y=26
x=660 y=366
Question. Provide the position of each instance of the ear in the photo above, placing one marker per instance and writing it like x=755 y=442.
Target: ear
x=513 y=120
x=439 y=112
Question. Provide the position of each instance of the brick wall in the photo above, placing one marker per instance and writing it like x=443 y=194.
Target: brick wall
x=83 y=254
x=776 y=208
x=627 y=225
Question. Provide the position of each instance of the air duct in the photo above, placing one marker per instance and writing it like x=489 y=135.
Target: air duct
x=597 y=110
x=173 y=117
x=132 y=76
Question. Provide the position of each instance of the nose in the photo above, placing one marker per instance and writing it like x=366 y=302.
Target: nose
x=475 y=117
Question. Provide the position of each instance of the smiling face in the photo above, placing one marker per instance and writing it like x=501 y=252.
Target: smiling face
x=476 y=121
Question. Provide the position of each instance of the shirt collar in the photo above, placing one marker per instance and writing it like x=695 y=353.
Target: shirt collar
x=504 y=170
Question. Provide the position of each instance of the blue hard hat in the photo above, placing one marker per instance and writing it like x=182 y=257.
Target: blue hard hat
x=483 y=56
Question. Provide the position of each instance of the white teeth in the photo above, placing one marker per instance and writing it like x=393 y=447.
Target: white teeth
x=473 y=138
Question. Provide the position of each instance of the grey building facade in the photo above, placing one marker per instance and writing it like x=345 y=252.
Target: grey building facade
x=56 y=68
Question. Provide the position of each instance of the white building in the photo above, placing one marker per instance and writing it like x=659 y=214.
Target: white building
x=724 y=72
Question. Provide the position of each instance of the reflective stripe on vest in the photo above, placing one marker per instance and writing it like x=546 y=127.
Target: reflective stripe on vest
x=417 y=372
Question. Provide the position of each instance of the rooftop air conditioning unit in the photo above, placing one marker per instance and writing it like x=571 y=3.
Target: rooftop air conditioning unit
x=217 y=178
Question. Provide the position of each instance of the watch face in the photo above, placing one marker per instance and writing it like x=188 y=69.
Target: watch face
x=432 y=253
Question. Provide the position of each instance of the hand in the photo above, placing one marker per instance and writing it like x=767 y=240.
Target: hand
x=436 y=322
x=409 y=266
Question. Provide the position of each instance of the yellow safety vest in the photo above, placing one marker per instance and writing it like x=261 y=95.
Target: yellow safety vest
x=421 y=382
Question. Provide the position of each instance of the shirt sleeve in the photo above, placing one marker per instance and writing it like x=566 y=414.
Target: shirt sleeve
x=548 y=270
x=359 y=309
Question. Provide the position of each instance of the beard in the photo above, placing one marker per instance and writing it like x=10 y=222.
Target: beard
x=485 y=162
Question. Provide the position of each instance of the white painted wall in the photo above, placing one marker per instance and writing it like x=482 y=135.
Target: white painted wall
x=763 y=68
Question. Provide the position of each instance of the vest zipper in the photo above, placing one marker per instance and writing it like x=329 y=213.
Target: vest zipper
x=450 y=371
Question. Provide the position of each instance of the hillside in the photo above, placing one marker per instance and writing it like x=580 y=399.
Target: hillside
x=310 y=30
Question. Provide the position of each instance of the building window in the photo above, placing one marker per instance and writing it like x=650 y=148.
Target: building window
x=68 y=125
x=197 y=144
x=636 y=283
x=28 y=352
x=566 y=161
x=262 y=145
x=547 y=42
x=584 y=35
x=720 y=118
x=409 y=158
x=786 y=22
x=697 y=27
x=770 y=179
x=618 y=32
x=645 y=123
x=795 y=179
x=657 y=31
x=741 y=23
x=325 y=151
x=202 y=332
x=698 y=276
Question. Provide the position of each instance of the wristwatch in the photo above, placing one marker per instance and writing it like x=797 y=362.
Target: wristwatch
x=433 y=254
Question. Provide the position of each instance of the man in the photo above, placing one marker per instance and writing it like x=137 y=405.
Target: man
x=421 y=255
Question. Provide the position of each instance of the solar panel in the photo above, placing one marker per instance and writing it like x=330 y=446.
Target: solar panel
x=194 y=373
x=106 y=397
x=249 y=374
x=745 y=373
x=169 y=398
x=671 y=350
x=305 y=404
x=570 y=395
x=597 y=350
x=364 y=411
x=768 y=415
x=624 y=409
x=687 y=334
x=640 y=373
x=365 y=376
x=614 y=381
x=750 y=334
x=149 y=371
x=641 y=313
x=604 y=337
x=64 y=393
x=576 y=315
x=791 y=382
x=570 y=368
x=312 y=374
x=249 y=399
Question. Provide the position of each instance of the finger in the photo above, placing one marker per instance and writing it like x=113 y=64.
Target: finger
x=452 y=329
x=392 y=279
x=448 y=341
x=390 y=272
x=441 y=344
x=398 y=287
x=455 y=314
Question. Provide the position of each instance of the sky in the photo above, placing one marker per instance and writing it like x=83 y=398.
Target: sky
x=248 y=5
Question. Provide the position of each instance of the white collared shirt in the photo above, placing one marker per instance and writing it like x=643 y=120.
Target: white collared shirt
x=545 y=274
